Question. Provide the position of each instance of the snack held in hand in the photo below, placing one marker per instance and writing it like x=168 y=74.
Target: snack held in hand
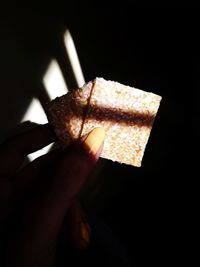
x=125 y=113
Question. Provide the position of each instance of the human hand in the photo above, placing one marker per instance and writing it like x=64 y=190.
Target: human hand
x=35 y=199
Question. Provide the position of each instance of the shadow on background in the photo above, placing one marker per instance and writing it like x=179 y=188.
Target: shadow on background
x=152 y=49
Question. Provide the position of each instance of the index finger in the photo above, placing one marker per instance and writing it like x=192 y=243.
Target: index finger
x=71 y=174
x=14 y=150
x=42 y=220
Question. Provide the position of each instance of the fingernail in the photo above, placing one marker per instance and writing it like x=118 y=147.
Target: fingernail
x=85 y=232
x=94 y=140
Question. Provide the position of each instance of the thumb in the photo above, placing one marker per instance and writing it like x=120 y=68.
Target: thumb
x=44 y=217
x=72 y=172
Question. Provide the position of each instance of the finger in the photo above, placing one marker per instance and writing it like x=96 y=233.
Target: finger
x=77 y=226
x=26 y=183
x=76 y=166
x=49 y=210
x=28 y=177
x=14 y=150
x=33 y=172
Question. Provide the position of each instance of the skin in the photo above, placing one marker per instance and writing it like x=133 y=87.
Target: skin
x=34 y=200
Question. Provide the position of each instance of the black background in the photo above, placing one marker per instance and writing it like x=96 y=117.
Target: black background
x=150 y=210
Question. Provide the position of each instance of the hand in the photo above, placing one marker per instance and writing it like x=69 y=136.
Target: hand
x=35 y=199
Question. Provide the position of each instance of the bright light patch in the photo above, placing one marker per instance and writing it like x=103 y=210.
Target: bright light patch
x=73 y=57
x=39 y=153
x=53 y=81
x=35 y=113
x=55 y=86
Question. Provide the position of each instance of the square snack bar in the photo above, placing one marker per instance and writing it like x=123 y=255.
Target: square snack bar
x=126 y=114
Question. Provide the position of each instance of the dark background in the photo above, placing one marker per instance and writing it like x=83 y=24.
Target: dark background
x=142 y=214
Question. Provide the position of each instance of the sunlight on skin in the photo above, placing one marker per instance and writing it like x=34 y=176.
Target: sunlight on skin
x=73 y=57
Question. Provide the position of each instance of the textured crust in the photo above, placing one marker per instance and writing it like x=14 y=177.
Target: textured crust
x=126 y=114
x=66 y=114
